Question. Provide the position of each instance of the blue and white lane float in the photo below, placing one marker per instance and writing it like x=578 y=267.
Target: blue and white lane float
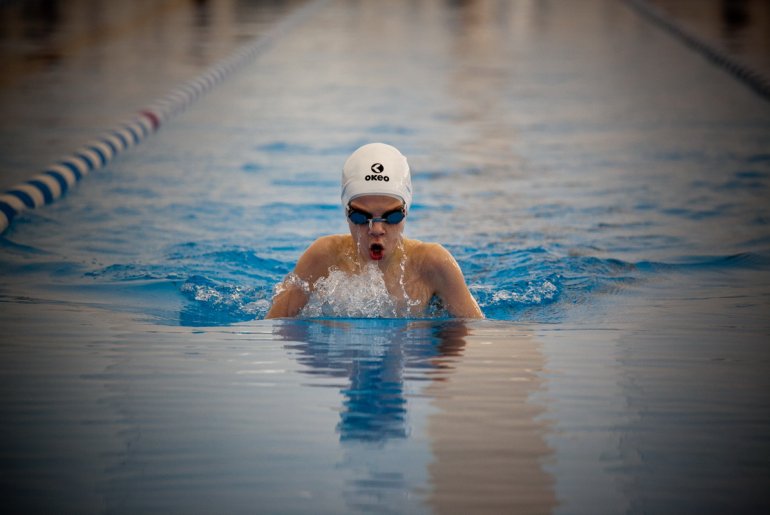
x=62 y=175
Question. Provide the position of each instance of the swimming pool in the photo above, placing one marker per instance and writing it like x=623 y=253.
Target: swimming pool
x=602 y=187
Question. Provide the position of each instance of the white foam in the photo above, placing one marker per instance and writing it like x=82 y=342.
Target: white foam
x=357 y=295
x=341 y=294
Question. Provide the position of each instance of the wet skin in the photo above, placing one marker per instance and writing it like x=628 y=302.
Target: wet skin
x=379 y=240
x=413 y=271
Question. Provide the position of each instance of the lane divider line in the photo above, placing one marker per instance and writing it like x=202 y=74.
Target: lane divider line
x=741 y=71
x=64 y=174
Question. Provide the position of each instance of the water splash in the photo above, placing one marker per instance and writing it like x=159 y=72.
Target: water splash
x=506 y=299
x=533 y=293
x=359 y=295
x=412 y=305
x=224 y=302
x=341 y=294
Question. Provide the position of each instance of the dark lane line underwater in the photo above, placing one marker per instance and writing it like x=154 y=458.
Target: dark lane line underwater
x=602 y=186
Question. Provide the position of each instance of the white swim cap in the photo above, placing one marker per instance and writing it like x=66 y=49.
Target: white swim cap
x=376 y=169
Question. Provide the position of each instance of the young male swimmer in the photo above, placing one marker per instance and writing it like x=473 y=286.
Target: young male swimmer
x=376 y=195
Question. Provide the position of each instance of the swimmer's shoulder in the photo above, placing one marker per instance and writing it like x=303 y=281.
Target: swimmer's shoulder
x=325 y=242
x=324 y=253
x=426 y=250
x=330 y=245
x=430 y=256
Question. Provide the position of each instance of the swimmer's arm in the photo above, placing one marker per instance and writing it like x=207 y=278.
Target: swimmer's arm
x=288 y=303
x=295 y=294
x=449 y=284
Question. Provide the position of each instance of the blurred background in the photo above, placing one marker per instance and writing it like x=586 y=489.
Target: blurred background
x=82 y=65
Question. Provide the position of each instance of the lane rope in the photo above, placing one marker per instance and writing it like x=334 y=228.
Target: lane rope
x=749 y=76
x=63 y=174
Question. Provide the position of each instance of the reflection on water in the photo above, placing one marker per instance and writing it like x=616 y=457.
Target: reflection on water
x=374 y=361
x=374 y=406
x=488 y=435
x=486 y=442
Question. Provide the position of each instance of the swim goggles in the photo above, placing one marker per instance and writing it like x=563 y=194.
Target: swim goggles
x=359 y=217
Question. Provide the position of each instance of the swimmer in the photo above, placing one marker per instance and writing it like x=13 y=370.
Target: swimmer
x=376 y=195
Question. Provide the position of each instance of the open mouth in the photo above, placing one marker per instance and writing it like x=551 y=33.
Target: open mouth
x=376 y=250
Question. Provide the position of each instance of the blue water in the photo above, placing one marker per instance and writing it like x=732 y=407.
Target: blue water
x=603 y=189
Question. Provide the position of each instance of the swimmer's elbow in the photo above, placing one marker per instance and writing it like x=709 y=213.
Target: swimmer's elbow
x=475 y=313
x=273 y=312
x=471 y=310
x=276 y=311
x=281 y=312
x=287 y=304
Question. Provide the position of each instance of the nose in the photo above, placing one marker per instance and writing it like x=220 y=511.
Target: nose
x=376 y=228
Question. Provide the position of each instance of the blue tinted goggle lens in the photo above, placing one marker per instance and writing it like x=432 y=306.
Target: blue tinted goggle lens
x=391 y=217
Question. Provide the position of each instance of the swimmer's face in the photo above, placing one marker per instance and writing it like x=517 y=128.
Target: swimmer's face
x=376 y=241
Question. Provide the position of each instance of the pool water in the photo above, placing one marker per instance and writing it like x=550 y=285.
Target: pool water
x=603 y=188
